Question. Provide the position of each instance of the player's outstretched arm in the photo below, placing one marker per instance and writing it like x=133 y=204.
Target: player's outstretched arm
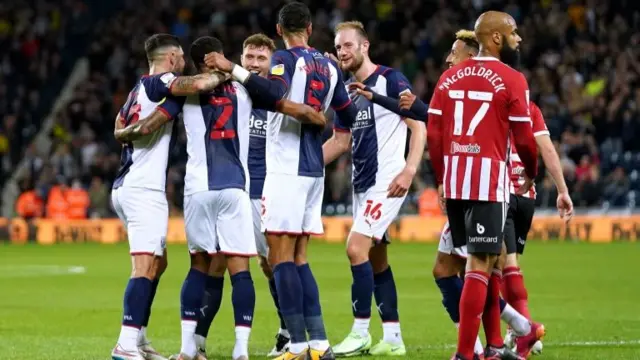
x=337 y=145
x=389 y=103
x=141 y=128
x=301 y=112
x=402 y=182
x=271 y=90
x=191 y=85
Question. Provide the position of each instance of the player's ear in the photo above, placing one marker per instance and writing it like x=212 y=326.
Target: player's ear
x=365 y=46
x=309 y=29
x=497 y=38
x=278 y=29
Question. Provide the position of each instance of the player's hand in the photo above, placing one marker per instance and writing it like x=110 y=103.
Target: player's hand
x=312 y=116
x=217 y=61
x=441 y=200
x=406 y=100
x=359 y=88
x=528 y=183
x=332 y=57
x=565 y=206
x=401 y=184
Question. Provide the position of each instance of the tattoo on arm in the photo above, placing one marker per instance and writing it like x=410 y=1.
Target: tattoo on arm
x=190 y=85
x=143 y=127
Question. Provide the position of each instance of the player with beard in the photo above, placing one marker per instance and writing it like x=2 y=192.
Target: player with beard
x=475 y=107
x=450 y=261
x=381 y=179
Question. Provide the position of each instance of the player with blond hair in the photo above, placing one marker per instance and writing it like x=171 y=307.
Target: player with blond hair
x=381 y=179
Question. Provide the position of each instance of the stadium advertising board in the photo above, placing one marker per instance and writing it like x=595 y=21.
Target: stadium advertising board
x=405 y=229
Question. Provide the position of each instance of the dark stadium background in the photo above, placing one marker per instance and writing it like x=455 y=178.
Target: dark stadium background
x=67 y=66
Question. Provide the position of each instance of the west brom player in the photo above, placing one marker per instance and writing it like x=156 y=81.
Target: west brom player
x=217 y=205
x=381 y=178
x=138 y=195
x=475 y=107
x=294 y=157
x=256 y=57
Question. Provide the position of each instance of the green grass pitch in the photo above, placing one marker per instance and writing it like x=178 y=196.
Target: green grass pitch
x=586 y=294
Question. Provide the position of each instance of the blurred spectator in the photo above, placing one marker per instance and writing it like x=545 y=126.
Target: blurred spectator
x=428 y=204
x=30 y=204
x=78 y=201
x=582 y=60
x=57 y=204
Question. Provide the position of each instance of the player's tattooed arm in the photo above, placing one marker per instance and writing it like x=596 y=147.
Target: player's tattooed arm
x=303 y=113
x=141 y=128
x=191 y=85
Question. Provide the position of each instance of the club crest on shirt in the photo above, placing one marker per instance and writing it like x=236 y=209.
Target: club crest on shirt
x=278 y=70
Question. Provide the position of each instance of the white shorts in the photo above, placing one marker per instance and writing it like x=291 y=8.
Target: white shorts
x=261 y=240
x=373 y=212
x=219 y=221
x=145 y=214
x=292 y=205
x=446 y=244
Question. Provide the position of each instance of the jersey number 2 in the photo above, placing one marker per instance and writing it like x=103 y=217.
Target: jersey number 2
x=219 y=132
x=458 y=112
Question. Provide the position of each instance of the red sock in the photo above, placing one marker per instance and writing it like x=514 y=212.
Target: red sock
x=491 y=314
x=517 y=293
x=474 y=295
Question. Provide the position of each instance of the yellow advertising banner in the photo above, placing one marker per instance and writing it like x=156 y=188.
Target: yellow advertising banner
x=599 y=229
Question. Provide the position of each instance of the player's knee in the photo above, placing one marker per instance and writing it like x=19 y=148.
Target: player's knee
x=445 y=266
x=378 y=258
x=481 y=262
x=218 y=265
x=358 y=247
x=281 y=249
x=201 y=262
x=266 y=268
x=511 y=260
x=144 y=266
x=237 y=264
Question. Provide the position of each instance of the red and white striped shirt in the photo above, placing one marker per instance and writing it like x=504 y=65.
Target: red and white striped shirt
x=475 y=107
x=516 y=166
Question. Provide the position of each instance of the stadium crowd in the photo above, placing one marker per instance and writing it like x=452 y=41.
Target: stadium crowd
x=582 y=60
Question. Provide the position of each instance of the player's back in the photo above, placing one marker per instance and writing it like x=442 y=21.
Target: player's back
x=475 y=101
x=217 y=128
x=294 y=148
x=143 y=162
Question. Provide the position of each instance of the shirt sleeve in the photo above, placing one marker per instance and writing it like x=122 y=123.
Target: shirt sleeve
x=519 y=100
x=282 y=67
x=171 y=105
x=538 y=123
x=434 y=135
x=158 y=86
x=397 y=83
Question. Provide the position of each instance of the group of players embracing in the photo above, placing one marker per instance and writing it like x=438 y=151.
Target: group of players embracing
x=254 y=184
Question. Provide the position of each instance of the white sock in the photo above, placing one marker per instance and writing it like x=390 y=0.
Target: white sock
x=361 y=326
x=128 y=339
x=391 y=333
x=201 y=342
x=320 y=345
x=242 y=342
x=284 y=332
x=478 y=348
x=520 y=325
x=297 y=348
x=188 y=346
x=142 y=336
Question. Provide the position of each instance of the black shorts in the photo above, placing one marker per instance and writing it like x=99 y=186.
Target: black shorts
x=477 y=224
x=519 y=218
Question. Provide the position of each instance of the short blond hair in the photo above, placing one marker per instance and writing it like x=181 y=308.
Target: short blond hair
x=469 y=38
x=355 y=25
x=259 y=40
